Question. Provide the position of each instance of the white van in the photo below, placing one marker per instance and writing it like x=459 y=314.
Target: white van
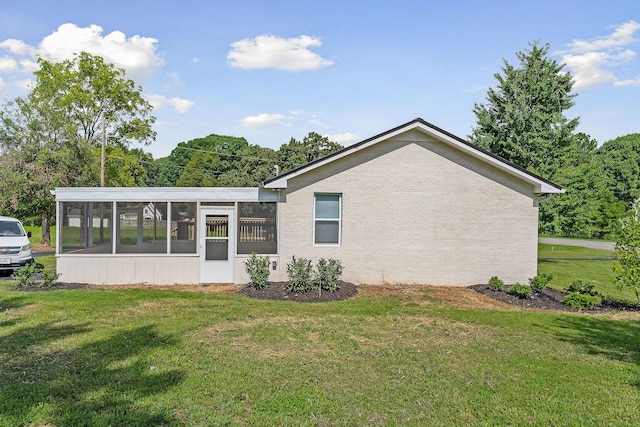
x=15 y=248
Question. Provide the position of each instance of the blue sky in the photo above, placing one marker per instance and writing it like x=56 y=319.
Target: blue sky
x=273 y=70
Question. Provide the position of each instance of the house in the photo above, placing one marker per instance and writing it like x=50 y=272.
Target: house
x=414 y=204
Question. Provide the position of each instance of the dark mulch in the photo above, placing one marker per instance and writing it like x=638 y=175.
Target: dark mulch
x=550 y=299
x=276 y=291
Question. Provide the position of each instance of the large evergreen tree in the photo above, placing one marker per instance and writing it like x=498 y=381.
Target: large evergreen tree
x=523 y=118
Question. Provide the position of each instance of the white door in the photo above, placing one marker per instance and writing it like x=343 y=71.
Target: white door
x=216 y=244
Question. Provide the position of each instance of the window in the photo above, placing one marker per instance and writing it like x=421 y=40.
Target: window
x=86 y=227
x=326 y=218
x=141 y=228
x=183 y=227
x=257 y=228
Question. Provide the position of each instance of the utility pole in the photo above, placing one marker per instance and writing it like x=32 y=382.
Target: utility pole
x=104 y=137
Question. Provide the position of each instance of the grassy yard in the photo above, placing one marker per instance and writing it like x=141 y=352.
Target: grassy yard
x=160 y=357
x=153 y=357
x=570 y=264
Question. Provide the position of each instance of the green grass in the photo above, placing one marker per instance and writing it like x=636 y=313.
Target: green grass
x=36 y=234
x=133 y=357
x=153 y=357
x=566 y=271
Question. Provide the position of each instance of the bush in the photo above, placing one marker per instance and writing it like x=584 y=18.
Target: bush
x=579 y=300
x=520 y=290
x=328 y=272
x=49 y=278
x=26 y=276
x=258 y=269
x=496 y=284
x=540 y=282
x=581 y=287
x=300 y=274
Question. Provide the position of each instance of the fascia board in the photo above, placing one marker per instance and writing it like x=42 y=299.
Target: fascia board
x=540 y=186
x=165 y=194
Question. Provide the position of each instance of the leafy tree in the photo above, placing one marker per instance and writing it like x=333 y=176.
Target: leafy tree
x=621 y=162
x=627 y=271
x=589 y=208
x=200 y=171
x=223 y=149
x=253 y=164
x=523 y=118
x=92 y=93
x=47 y=138
x=298 y=153
x=126 y=167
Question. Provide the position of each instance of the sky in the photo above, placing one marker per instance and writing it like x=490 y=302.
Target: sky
x=274 y=70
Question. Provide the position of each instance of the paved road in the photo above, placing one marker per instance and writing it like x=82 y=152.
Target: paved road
x=610 y=246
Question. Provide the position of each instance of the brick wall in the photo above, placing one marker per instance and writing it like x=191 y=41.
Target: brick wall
x=415 y=210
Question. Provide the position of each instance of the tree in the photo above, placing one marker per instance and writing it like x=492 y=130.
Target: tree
x=298 y=153
x=621 y=160
x=523 y=118
x=627 y=272
x=48 y=138
x=589 y=208
x=200 y=171
x=223 y=149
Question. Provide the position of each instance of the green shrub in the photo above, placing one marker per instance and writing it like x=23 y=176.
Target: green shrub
x=258 y=269
x=328 y=272
x=579 y=300
x=26 y=276
x=496 y=284
x=582 y=288
x=300 y=274
x=540 y=282
x=520 y=290
x=49 y=278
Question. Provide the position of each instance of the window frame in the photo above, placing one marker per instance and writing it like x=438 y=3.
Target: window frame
x=317 y=220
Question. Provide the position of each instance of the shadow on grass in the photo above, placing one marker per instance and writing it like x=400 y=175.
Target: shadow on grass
x=616 y=339
x=102 y=382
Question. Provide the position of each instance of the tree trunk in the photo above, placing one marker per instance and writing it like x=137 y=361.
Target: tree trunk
x=46 y=229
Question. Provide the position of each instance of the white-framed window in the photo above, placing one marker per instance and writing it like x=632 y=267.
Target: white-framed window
x=327 y=219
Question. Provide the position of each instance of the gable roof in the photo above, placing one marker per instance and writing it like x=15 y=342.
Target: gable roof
x=540 y=184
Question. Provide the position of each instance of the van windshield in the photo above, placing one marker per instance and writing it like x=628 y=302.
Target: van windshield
x=11 y=228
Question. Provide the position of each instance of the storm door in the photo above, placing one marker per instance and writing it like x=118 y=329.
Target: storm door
x=217 y=239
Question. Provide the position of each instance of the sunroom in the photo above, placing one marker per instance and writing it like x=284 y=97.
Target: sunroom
x=163 y=235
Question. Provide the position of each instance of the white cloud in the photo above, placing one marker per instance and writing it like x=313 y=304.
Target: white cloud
x=263 y=119
x=591 y=61
x=268 y=51
x=8 y=64
x=18 y=47
x=179 y=104
x=29 y=66
x=345 y=138
x=628 y=82
x=135 y=54
x=24 y=84
x=2 y=83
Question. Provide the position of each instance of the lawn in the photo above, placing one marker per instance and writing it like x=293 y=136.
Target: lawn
x=161 y=357
x=570 y=263
x=157 y=357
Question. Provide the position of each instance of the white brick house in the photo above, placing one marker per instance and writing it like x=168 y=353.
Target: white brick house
x=415 y=204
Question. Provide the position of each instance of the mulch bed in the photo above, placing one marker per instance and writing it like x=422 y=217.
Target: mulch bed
x=276 y=291
x=550 y=299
